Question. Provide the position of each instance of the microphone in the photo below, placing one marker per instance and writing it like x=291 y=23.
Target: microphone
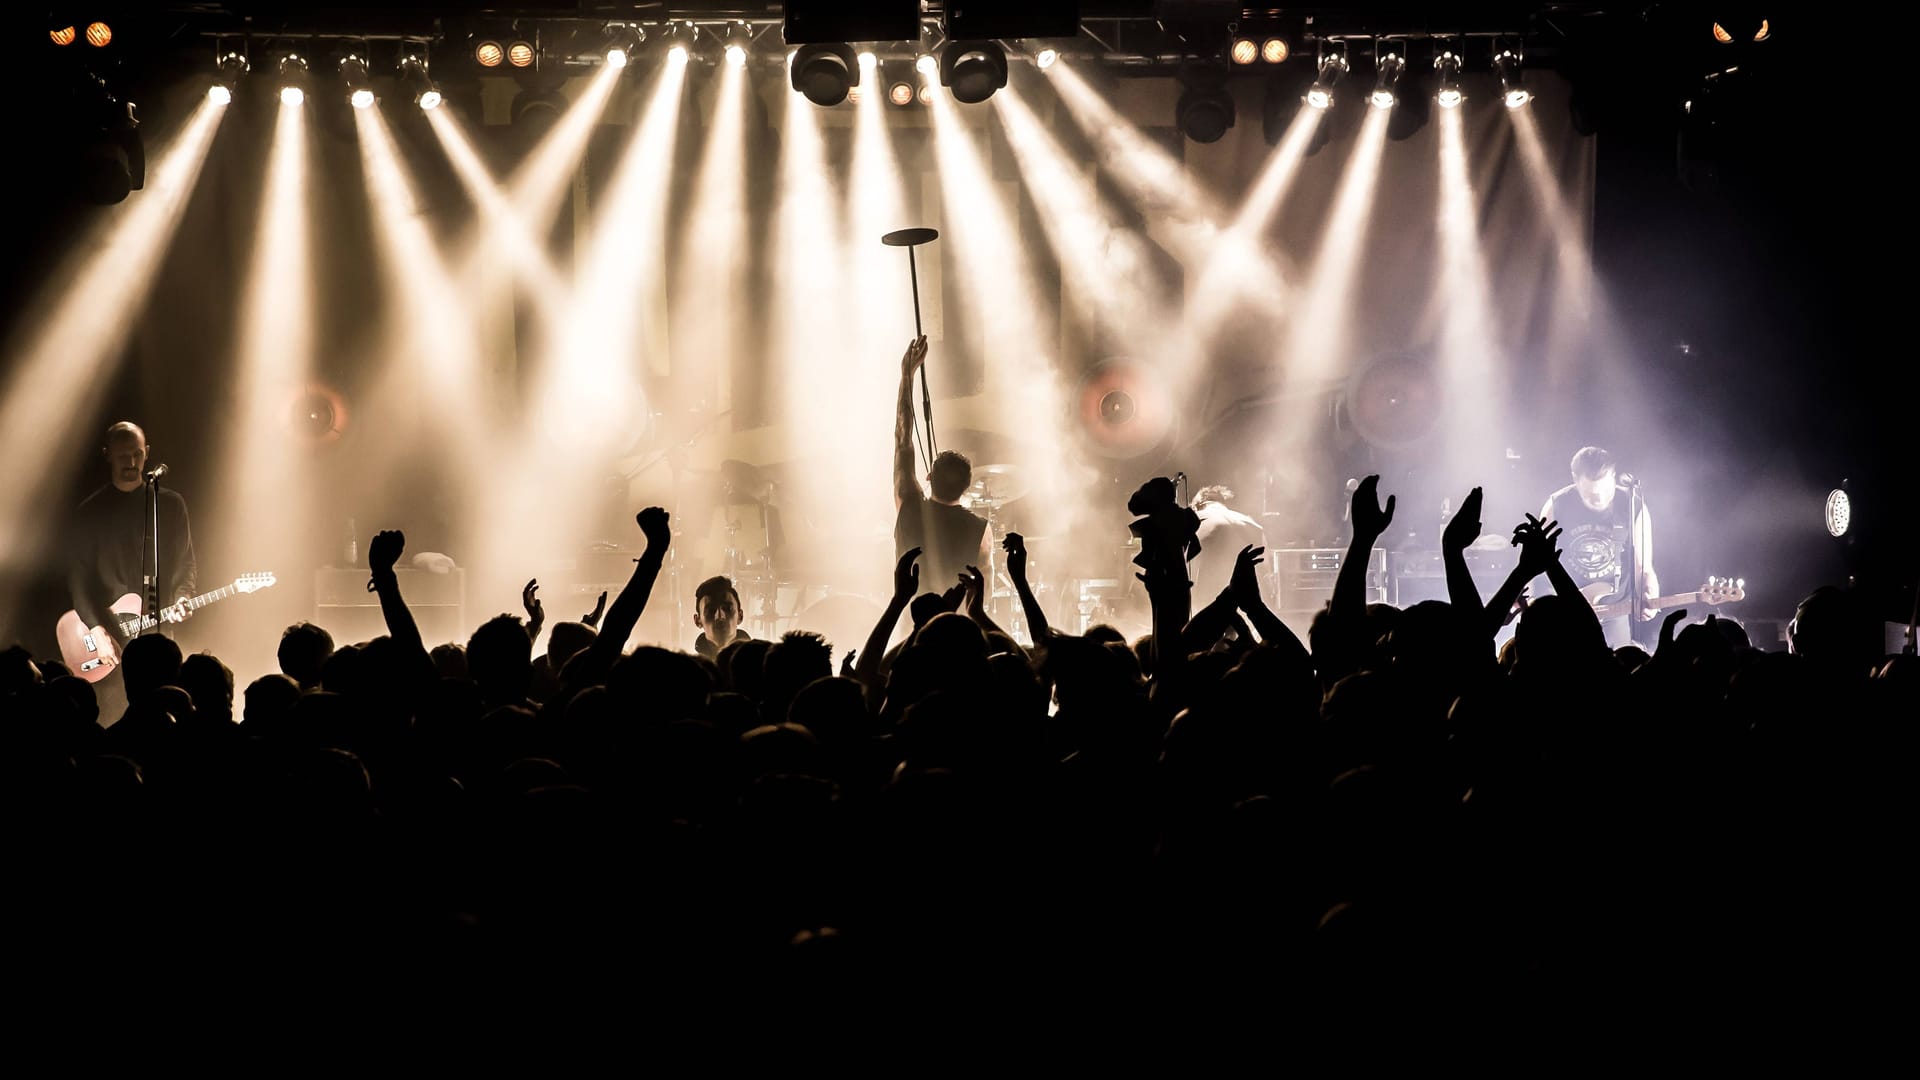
x=1625 y=479
x=1353 y=485
x=155 y=473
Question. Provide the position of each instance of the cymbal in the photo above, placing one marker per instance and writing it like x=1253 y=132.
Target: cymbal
x=998 y=483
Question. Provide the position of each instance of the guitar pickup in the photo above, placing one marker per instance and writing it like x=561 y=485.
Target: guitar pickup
x=91 y=664
x=92 y=645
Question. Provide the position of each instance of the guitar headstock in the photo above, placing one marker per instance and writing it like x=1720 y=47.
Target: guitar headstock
x=247 y=583
x=1719 y=590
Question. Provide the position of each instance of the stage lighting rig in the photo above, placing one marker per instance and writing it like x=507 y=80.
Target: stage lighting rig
x=489 y=54
x=973 y=70
x=1045 y=58
x=1333 y=64
x=1446 y=77
x=824 y=72
x=1506 y=64
x=1244 y=51
x=414 y=76
x=1389 y=64
x=521 y=54
x=64 y=34
x=293 y=79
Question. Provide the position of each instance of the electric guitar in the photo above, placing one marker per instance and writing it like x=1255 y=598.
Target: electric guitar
x=91 y=654
x=1715 y=592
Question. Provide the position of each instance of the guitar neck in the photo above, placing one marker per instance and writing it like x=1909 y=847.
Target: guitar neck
x=148 y=622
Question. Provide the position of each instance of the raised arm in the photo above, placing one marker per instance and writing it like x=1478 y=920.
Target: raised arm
x=382 y=553
x=536 y=611
x=627 y=607
x=1459 y=534
x=906 y=585
x=905 y=485
x=1246 y=594
x=1370 y=521
x=1540 y=553
x=1016 y=547
x=976 y=602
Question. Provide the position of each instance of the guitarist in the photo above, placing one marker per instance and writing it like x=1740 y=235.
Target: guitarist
x=1609 y=557
x=106 y=552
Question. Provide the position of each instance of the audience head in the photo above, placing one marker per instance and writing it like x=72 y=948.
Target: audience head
x=500 y=660
x=716 y=610
x=304 y=649
x=148 y=663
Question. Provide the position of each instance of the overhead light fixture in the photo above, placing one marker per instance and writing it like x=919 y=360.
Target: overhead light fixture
x=413 y=75
x=868 y=61
x=925 y=64
x=62 y=35
x=1205 y=109
x=293 y=79
x=1839 y=512
x=229 y=65
x=99 y=35
x=489 y=54
x=736 y=55
x=520 y=54
x=677 y=55
x=1388 y=65
x=353 y=74
x=1275 y=50
x=1333 y=64
x=973 y=70
x=1506 y=64
x=623 y=40
x=1045 y=58
x=1244 y=51
x=1761 y=31
x=1446 y=77
x=824 y=73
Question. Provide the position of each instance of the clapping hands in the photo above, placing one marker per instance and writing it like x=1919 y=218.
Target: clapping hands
x=1015 y=546
x=1369 y=518
x=906 y=576
x=1245 y=586
x=1536 y=540
x=1464 y=528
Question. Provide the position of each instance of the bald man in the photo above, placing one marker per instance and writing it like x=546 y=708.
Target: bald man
x=106 y=553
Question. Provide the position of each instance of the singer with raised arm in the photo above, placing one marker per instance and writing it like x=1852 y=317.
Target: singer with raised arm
x=949 y=536
x=1607 y=537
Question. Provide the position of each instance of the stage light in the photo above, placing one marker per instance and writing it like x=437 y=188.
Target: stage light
x=824 y=73
x=1204 y=111
x=1045 y=57
x=973 y=70
x=1389 y=66
x=926 y=94
x=1333 y=65
x=677 y=56
x=99 y=35
x=1839 y=512
x=64 y=35
x=1446 y=76
x=1761 y=31
x=489 y=54
x=1275 y=51
x=868 y=61
x=926 y=64
x=1506 y=64
x=413 y=75
x=1720 y=35
x=736 y=56
x=520 y=54
x=900 y=93
x=293 y=79
x=231 y=64
x=353 y=73
x=1244 y=51
x=623 y=41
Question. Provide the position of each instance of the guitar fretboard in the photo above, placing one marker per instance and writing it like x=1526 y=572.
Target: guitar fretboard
x=135 y=625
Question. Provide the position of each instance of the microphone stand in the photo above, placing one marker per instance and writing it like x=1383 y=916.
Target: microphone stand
x=150 y=552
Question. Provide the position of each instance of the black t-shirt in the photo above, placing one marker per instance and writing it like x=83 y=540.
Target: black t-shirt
x=704 y=646
x=948 y=536
x=106 y=558
x=1596 y=543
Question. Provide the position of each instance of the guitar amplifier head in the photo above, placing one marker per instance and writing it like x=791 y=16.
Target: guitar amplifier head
x=1304 y=577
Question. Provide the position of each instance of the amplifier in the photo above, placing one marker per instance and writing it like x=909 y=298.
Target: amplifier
x=342 y=604
x=1304 y=577
x=1422 y=575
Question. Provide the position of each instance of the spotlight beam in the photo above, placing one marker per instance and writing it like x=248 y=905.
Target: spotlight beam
x=274 y=355
x=64 y=363
x=1470 y=364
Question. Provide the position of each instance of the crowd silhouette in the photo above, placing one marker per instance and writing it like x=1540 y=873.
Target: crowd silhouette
x=1389 y=821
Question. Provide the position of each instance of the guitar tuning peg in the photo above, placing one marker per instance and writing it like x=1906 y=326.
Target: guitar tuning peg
x=1740 y=583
